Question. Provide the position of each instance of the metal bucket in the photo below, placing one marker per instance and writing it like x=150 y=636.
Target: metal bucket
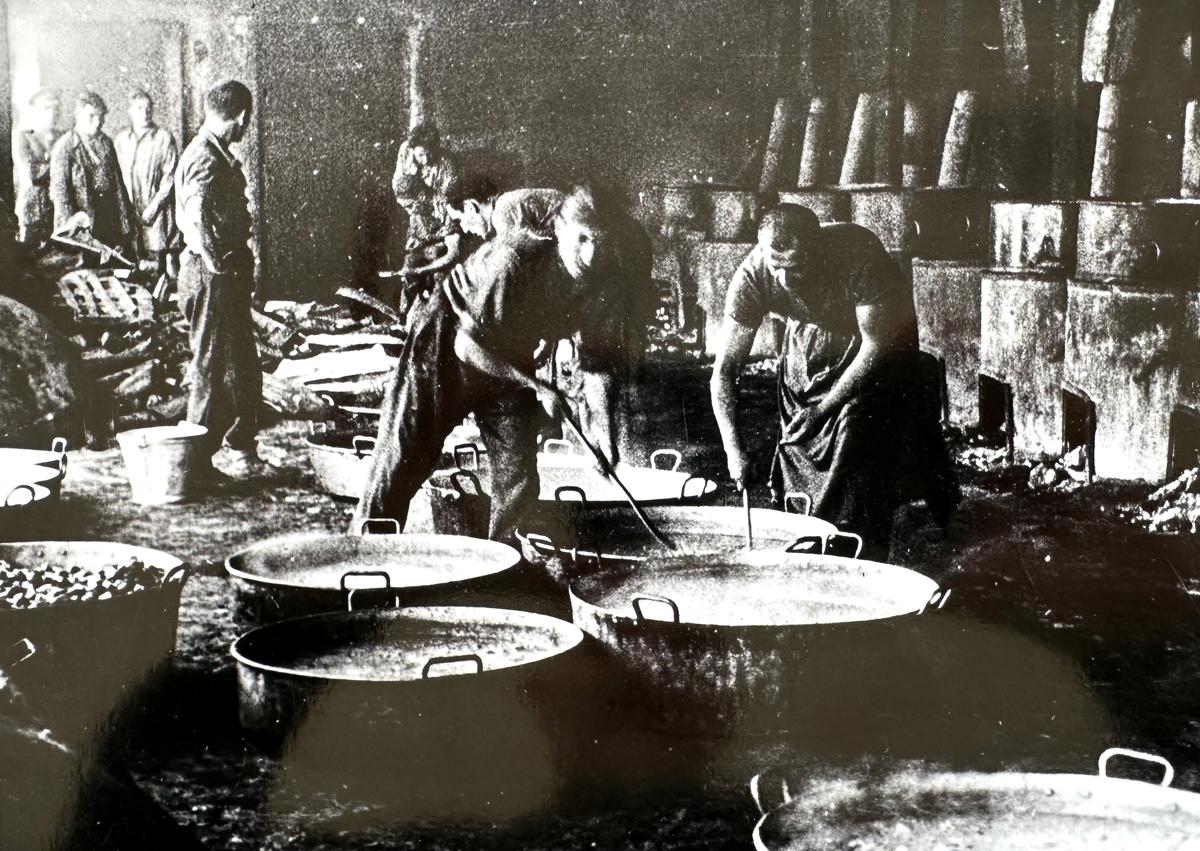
x=162 y=461
x=434 y=712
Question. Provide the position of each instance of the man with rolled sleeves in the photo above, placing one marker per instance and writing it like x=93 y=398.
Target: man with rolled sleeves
x=216 y=280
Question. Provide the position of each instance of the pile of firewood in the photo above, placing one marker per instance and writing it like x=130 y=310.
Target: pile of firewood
x=312 y=355
x=1174 y=507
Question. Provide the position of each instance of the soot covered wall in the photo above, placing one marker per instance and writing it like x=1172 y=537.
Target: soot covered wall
x=630 y=91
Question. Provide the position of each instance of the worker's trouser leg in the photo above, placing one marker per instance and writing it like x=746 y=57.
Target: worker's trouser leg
x=509 y=432
x=226 y=380
x=425 y=399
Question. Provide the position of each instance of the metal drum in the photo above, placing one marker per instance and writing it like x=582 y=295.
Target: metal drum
x=1003 y=811
x=434 y=712
x=315 y=572
x=754 y=642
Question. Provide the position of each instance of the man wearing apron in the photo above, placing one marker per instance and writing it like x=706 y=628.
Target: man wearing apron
x=858 y=403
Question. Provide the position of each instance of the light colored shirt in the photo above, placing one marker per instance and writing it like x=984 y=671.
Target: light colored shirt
x=148 y=161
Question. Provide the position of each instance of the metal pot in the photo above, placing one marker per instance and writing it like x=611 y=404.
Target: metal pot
x=752 y=642
x=103 y=650
x=301 y=574
x=1138 y=242
x=1002 y=811
x=437 y=712
x=55 y=458
x=1034 y=237
x=829 y=206
x=342 y=460
x=567 y=544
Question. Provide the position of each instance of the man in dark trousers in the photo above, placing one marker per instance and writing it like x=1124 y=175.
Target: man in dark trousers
x=471 y=347
x=216 y=280
x=859 y=409
x=85 y=180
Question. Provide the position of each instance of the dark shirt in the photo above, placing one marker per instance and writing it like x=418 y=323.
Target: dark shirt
x=849 y=269
x=209 y=172
x=85 y=176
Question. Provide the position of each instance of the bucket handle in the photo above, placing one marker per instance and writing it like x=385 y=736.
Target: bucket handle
x=364 y=528
x=362 y=444
x=653 y=598
x=683 y=494
x=673 y=454
x=575 y=489
x=8 y=500
x=449 y=660
x=471 y=451
x=457 y=475
x=542 y=544
x=558 y=446
x=797 y=496
x=1168 y=769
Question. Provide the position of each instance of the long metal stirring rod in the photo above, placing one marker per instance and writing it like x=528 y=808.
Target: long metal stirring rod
x=749 y=531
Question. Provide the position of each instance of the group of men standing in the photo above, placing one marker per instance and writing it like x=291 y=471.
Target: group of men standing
x=119 y=189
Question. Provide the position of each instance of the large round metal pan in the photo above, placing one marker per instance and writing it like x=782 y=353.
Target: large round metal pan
x=565 y=544
x=1005 y=811
x=437 y=711
x=103 y=649
x=302 y=574
x=750 y=642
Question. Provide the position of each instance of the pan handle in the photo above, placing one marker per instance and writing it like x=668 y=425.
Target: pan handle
x=29 y=649
x=470 y=450
x=391 y=523
x=1168 y=769
x=387 y=584
x=542 y=544
x=673 y=454
x=59 y=445
x=183 y=571
x=936 y=601
x=448 y=660
x=654 y=598
x=8 y=500
x=857 y=539
x=565 y=489
x=807 y=545
x=362 y=444
x=683 y=494
x=757 y=782
x=470 y=477
x=797 y=496
x=558 y=446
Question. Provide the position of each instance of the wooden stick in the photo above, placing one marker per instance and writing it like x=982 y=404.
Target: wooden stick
x=1189 y=184
x=607 y=469
x=749 y=531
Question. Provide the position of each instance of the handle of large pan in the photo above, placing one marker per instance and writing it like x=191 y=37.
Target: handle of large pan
x=362 y=444
x=59 y=445
x=558 y=446
x=1168 y=769
x=450 y=660
x=848 y=536
x=468 y=450
x=797 y=496
x=8 y=500
x=673 y=454
x=758 y=784
x=819 y=544
x=469 y=476
x=937 y=601
x=543 y=545
x=392 y=524
x=182 y=571
x=345 y=585
x=704 y=482
x=569 y=489
x=637 y=601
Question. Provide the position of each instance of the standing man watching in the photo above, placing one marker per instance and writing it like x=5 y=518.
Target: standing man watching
x=216 y=280
x=31 y=154
x=85 y=180
x=148 y=155
x=859 y=417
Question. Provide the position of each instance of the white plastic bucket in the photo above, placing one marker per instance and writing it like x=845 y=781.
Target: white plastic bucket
x=162 y=461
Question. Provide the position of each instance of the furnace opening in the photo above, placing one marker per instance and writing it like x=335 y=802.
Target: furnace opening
x=1079 y=426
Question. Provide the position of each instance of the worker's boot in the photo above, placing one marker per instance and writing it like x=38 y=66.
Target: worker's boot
x=244 y=464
